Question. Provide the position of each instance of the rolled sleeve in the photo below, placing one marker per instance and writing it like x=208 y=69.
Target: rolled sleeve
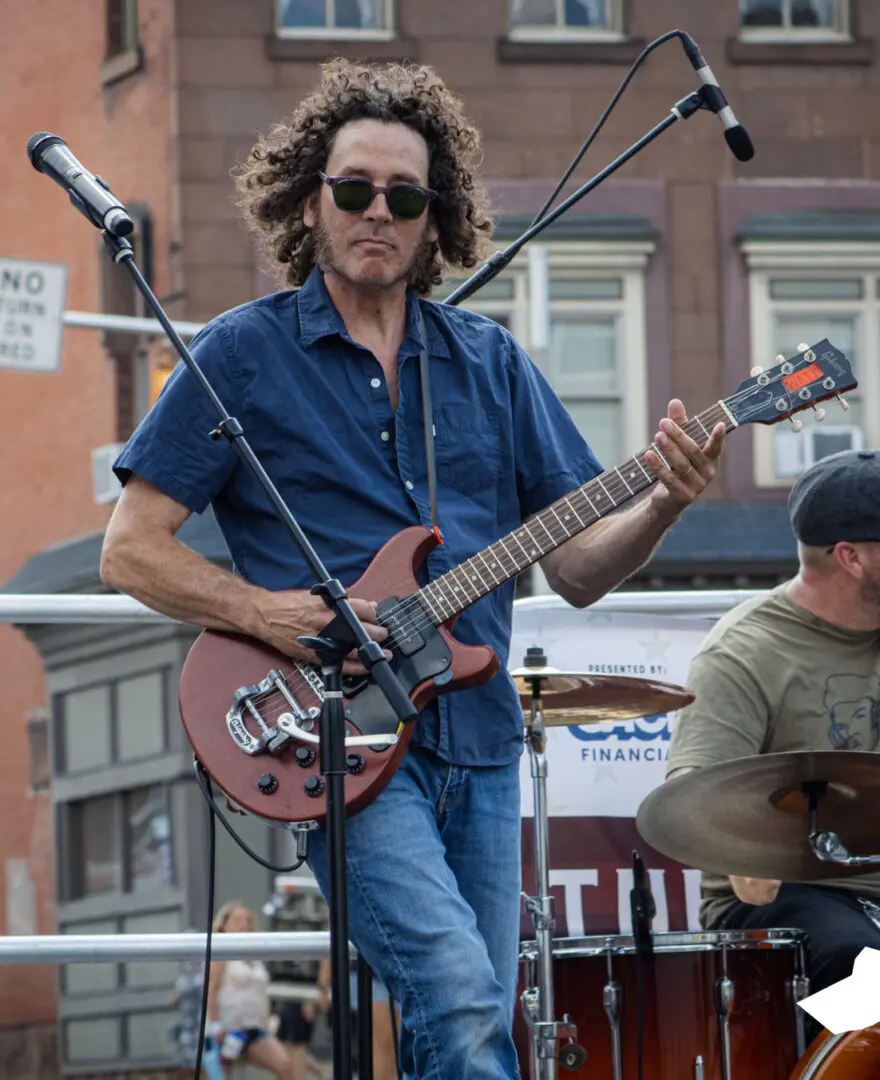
x=172 y=447
x=552 y=456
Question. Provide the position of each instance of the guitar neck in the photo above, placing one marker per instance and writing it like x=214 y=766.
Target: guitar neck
x=542 y=533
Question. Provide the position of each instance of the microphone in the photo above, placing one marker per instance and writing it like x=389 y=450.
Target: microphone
x=734 y=133
x=89 y=194
x=642 y=907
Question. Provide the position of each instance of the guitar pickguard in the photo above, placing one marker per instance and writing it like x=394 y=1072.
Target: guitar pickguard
x=418 y=655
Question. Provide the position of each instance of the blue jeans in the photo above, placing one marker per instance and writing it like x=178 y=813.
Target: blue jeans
x=434 y=878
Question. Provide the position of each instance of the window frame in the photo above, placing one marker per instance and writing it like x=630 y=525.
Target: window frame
x=562 y=32
x=59 y=722
x=813 y=260
x=125 y=13
x=624 y=259
x=71 y=858
x=323 y=33
x=801 y=34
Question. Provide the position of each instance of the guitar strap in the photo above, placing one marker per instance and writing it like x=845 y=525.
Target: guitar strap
x=428 y=420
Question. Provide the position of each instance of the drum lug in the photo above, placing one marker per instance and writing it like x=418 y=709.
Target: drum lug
x=800 y=988
x=723 y=1005
x=611 y=994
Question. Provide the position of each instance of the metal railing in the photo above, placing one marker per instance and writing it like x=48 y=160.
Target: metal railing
x=20 y=609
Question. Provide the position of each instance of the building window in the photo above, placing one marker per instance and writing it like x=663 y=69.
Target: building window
x=114 y=722
x=122 y=27
x=577 y=308
x=547 y=20
x=774 y=20
x=118 y=843
x=793 y=305
x=39 y=754
x=336 y=18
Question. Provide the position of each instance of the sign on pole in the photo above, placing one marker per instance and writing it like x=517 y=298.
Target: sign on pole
x=32 y=298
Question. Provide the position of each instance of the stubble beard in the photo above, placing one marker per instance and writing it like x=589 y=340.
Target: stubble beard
x=327 y=261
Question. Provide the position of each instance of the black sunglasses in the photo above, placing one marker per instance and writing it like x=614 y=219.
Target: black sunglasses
x=354 y=194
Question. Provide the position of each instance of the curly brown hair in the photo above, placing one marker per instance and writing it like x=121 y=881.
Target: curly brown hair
x=281 y=171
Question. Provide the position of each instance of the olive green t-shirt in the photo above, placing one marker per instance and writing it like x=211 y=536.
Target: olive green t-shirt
x=769 y=678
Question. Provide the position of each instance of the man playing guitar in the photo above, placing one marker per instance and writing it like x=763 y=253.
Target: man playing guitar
x=363 y=198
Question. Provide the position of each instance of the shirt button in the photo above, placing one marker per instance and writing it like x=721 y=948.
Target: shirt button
x=375 y=383
x=409 y=485
x=384 y=436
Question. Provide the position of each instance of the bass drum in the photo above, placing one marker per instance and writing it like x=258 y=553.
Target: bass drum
x=854 y=1055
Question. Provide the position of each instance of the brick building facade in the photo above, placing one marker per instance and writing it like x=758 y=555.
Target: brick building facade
x=676 y=276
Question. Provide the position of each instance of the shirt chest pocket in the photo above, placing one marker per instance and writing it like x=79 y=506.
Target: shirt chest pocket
x=467 y=442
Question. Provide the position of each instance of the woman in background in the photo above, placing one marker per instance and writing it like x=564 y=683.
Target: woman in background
x=238 y=1004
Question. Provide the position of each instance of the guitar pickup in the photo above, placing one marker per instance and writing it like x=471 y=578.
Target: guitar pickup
x=402 y=618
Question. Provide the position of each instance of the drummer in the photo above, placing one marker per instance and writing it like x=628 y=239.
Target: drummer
x=799 y=669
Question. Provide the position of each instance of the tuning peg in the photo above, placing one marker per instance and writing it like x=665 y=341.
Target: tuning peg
x=803 y=347
x=844 y=404
x=819 y=414
x=756 y=371
x=796 y=425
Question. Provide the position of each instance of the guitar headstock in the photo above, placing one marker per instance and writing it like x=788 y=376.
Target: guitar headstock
x=813 y=375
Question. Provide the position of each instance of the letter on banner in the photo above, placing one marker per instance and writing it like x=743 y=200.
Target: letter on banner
x=572 y=881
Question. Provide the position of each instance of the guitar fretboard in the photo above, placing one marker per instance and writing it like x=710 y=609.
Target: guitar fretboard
x=544 y=532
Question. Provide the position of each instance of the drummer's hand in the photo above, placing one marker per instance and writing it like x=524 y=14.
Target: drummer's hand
x=685 y=469
x=755 y=890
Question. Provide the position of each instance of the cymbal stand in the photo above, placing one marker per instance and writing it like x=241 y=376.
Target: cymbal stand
x=537 y=1001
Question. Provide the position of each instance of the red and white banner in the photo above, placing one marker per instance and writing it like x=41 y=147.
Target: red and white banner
x=598 y=774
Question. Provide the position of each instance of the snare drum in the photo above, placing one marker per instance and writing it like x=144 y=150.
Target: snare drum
x=853 y=1055
x=686 y=1030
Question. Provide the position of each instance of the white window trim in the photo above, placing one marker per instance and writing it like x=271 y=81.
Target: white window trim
x=323 y=33
x=561 y=32
x=802 y=34
x=816 y=259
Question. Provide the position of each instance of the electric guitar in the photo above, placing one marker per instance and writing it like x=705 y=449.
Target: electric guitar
x=252 y=713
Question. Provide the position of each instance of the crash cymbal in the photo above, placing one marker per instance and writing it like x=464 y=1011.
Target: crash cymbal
x=748 y=816
x=591 y=699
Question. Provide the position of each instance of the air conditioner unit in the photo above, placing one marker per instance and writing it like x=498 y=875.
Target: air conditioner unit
x=105 y=487
x=793 y=452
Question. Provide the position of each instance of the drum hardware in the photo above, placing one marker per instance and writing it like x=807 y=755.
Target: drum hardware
x=723 y=1006
x=537 y=1002
x=699 y=1071
x=800 y=989
x=611 y=997
x=759 y=816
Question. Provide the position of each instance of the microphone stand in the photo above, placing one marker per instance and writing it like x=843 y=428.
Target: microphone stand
x=681 y=110
x=338 y=639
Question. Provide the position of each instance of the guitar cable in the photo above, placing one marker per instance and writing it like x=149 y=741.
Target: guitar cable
x=204 y=782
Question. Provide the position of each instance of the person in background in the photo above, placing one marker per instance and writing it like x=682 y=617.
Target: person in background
x=187 y=998
x=296 y=1022
x=238 y=1004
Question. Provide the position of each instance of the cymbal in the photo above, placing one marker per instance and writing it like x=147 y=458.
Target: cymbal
x=748 y=817
x=553 y=680
x=577 y=698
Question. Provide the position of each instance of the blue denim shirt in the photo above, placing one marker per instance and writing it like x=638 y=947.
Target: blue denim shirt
x=315 y=408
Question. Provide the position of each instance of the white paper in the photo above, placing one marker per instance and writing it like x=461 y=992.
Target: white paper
x=853 y=1003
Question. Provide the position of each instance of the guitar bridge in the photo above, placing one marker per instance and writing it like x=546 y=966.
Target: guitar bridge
x=246 y=705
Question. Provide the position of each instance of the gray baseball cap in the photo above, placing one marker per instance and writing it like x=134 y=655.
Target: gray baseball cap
x=838 y=499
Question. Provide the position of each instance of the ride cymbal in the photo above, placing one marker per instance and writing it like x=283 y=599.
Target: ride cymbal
x=748 y=817
x=592 y=699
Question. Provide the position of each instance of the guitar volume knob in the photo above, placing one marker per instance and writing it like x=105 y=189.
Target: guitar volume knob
x=305 y=755
x=355 y=764
x=314 y=786
x=267 y=784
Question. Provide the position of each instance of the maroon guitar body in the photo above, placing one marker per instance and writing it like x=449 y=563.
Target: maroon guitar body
x=217 y=660
x=252 y=714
